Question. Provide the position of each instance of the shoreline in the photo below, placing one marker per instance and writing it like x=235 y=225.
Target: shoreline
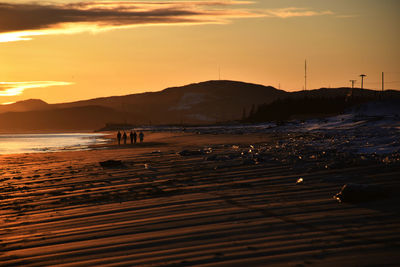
x=14 y=144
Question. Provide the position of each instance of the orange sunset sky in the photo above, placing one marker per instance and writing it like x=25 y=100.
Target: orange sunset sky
x=61 y=50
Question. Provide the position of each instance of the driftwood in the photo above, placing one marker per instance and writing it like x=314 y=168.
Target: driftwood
x=360 y=193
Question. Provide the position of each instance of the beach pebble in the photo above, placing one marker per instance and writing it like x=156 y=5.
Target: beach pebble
x=207 y=150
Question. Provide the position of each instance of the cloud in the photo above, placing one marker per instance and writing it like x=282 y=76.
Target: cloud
x=291 y=12
x=347 y=16
x=24 y=21
x=17 y=88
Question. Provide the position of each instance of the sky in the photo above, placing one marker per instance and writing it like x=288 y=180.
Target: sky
x=63 y=51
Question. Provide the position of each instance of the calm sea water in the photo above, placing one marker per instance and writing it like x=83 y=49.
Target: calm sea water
x=31 y=143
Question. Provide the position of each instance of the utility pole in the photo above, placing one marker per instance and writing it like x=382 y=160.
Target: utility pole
x=352 y=88
x=383 y=81
x=362 y=80
x=305 y=75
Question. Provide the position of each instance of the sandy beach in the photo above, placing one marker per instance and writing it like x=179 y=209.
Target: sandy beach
x=187 y=199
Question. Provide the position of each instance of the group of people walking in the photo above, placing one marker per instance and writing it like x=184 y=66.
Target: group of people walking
x=133 y=135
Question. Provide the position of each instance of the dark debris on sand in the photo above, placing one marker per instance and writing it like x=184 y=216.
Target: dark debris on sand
x=112 y=164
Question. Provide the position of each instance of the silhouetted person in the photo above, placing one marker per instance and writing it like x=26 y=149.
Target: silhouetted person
x=131 y=136
x=124 y=136
x=141 y=135
x=119 y=137
x=134 y=136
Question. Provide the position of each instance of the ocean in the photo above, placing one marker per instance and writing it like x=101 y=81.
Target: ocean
x=34 y=143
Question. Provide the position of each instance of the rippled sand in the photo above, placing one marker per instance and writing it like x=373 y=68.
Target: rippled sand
x=162 y=209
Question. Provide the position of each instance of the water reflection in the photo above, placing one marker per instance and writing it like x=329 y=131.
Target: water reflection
x=31 y=143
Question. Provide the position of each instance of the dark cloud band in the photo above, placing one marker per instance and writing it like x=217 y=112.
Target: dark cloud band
x=25 y=17
x=22 y=21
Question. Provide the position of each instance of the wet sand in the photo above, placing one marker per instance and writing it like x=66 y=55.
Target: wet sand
x=223 y=206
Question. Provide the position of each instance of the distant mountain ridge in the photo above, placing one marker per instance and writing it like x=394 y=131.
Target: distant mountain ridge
x=25 y=105
x=197 y=103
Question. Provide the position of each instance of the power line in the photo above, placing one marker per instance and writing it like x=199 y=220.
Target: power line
x=385 y=82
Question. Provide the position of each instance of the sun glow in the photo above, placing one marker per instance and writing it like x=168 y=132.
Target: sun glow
x=65 y=28
x=8 y=103
x=19 y=36
x=17 y=88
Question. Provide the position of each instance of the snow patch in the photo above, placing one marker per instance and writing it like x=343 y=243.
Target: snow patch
x=188 y=100
x=201 y=117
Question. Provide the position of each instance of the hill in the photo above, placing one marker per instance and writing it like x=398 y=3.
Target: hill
x=198 y=103
x=25 y=105
x=205 y=102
